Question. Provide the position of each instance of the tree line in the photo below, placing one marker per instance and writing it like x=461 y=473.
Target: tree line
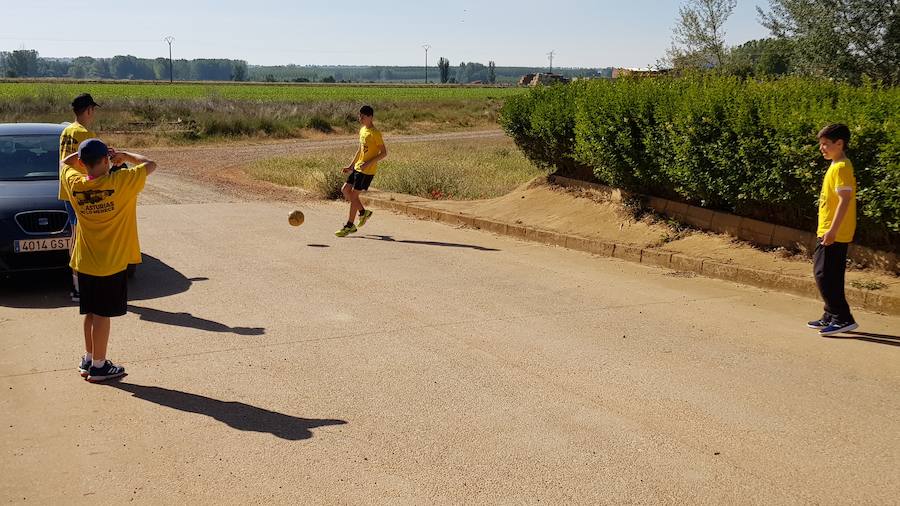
x=26 y=63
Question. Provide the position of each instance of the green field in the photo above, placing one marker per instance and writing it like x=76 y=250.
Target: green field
x=10 y=91
x=140 y=114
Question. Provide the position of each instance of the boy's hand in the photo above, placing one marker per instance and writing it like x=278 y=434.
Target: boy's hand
x=829 y=237
x=116 y=159
x=347 y=170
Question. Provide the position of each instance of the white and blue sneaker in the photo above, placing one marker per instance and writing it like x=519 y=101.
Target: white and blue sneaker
x=837 y=327
x=107 y=371
x=84 y=367
x=821 y=323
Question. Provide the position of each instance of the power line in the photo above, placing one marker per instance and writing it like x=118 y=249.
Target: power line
x=426 y=47
x=170 y=40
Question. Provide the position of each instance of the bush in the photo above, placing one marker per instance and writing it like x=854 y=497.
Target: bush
x=321 y=124
x=746 y=147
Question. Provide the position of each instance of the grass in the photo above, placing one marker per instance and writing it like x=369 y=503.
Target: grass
x=459 y=169
x=160 y=114
x=868 y=284
x=49 y=91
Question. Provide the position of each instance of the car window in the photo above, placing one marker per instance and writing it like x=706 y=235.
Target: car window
x=27 y=157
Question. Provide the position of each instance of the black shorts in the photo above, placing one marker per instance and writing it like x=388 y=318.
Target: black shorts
x=104 y=295
x=359 y=181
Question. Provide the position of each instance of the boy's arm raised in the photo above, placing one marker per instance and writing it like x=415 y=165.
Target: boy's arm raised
x=135 y=159
x=71 y=160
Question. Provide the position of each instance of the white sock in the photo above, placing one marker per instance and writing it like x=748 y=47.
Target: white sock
x=97 y=363
x=88 y=357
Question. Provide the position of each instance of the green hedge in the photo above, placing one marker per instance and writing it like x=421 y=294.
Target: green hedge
x=745 y=147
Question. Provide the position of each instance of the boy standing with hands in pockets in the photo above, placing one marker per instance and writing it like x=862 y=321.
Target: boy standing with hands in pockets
x=837 y=224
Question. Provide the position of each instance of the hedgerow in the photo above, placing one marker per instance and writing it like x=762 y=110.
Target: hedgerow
x=746 y=147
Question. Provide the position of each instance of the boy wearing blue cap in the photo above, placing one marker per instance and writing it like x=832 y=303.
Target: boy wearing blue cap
x=105 y=243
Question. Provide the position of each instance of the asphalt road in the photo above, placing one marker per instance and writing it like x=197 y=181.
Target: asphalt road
x=419 y=363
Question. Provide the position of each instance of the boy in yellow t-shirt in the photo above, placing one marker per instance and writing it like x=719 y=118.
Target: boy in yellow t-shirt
x=362 y=169
x=837 y=224
x=106 y=242
x=72 y=136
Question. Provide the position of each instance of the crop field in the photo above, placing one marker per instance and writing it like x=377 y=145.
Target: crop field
x=141 y=114
x=39 y=91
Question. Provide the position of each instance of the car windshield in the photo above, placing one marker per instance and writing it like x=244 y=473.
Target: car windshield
x=28 y=157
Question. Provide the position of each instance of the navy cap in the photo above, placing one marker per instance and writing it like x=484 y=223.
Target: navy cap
x=92 y=151
x=83 y=101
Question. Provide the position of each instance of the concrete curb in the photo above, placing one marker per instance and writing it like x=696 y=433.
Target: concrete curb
x=804 y=286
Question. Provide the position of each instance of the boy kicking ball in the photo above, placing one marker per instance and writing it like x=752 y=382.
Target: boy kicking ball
x=362 y=170
x=107 y=241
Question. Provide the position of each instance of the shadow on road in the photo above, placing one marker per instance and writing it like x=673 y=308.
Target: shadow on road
x=237 y=415
x=388 y=238
x=190 y=321
x=50 y=289
x=869 y=338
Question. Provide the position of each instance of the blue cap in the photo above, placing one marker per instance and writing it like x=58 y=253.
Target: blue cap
x=92 y=151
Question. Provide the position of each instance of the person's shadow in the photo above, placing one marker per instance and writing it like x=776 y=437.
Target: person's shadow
x=190 y=321
x=154 y=279
x=237 y=415
x=869 y=338
x=388 y=238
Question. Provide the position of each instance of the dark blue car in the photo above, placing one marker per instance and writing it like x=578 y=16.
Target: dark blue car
x=34 y=228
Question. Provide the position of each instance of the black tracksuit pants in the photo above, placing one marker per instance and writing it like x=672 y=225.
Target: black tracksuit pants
x=829 y=266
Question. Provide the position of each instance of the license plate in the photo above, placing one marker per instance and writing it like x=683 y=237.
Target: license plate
x=35 y=245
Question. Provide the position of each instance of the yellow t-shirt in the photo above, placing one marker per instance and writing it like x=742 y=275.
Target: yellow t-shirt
x=107 y=238
x=69 y=140
x=839 y=177
x=370 y=141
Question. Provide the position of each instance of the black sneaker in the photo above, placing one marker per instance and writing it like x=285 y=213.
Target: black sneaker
x=84 y=366
x=819 y=324
x=107 y=372
x=76 y=295
x=837 y=327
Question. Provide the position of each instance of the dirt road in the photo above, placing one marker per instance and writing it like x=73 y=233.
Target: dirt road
x=418 y=363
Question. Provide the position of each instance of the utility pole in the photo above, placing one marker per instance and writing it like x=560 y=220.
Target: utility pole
x=550 y=56
x=170 y=40
x=426 y=47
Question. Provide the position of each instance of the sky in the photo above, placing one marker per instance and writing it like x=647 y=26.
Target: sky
x=582 y=33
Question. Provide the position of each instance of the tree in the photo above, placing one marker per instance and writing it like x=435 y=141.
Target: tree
x=20 y=63
x=444 y=67
x=764 y=57
x=492 y=72
x=698 y=39
x=844 y=39
x=468 y=72
x=240 y=71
